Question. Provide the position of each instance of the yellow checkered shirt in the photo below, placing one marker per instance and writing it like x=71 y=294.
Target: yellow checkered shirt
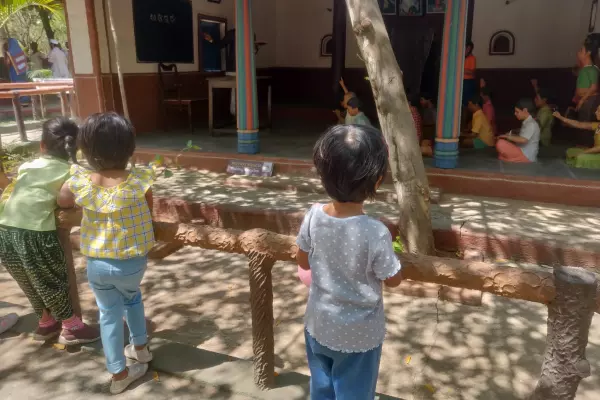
x=117 y=222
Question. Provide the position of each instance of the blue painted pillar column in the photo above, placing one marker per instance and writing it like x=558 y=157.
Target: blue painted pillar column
x=247 y=99
x=451 y=84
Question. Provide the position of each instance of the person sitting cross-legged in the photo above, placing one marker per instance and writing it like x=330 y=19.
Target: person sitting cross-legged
x=524 y=147
x=584 y=158
x=481 y=134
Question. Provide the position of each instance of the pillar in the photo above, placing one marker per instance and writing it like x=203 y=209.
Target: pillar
x=338 y=59
x=451 y=84
x=85 y=56
x=247 y=99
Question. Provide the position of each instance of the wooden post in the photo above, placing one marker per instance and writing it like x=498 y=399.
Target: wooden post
x=16 y=101
x=63 y=103
x=338 y=58
x=261 y=301
x=64 y=235
x=42 y=107
x=34 y=108
x=569 y=319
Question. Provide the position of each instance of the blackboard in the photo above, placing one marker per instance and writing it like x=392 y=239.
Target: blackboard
x=164 y=31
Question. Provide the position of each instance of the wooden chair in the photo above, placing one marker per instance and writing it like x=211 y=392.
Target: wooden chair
x=171 y=96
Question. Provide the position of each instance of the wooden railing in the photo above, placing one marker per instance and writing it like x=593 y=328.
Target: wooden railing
x=572 y=294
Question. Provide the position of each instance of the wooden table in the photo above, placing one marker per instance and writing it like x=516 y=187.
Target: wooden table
x=229 y=82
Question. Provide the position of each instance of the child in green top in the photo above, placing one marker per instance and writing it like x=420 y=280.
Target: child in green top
x=544 y=116
x=29 y=246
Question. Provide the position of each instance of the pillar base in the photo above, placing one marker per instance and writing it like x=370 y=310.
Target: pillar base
x=446 y=153
x=248 y=143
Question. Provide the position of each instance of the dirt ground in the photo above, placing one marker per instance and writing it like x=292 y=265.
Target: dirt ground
x=434 y=350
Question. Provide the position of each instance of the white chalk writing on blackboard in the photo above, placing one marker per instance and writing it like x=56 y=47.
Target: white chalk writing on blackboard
x=163 y=19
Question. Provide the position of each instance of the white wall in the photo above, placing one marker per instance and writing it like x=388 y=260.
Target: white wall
x=547 y=33
x=300 y=27
x=80 y=40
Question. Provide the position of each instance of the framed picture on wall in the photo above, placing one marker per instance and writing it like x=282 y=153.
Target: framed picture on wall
x=214 y=1
x=436 y=6
x=388 y=7
x=411 y=8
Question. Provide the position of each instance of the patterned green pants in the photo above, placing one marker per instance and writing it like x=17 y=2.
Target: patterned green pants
x=37 y=262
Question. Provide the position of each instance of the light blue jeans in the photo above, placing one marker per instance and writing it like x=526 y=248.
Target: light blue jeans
x=116 y=285
x=341 y=376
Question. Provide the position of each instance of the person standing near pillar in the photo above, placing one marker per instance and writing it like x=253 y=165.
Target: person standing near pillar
x=470 y=80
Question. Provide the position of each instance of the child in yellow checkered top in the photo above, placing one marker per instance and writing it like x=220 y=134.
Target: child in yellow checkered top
x=116 y=236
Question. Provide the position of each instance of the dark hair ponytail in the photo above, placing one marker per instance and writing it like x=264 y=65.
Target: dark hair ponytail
x=59 y=136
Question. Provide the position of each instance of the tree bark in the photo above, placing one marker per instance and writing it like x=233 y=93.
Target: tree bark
x=45 y=17
x=569 y=319
x=118 y=61
x=397 y=125
x=261 y=302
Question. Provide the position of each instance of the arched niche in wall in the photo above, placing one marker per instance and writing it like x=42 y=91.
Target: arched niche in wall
x=502 y=43
x=327 y=46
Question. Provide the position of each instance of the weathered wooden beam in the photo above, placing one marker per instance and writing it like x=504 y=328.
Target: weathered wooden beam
x=18 y=110
x=532 y=283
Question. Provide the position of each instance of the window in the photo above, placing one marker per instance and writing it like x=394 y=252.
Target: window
x=327 y=46
x=502 y=44
x=211 y=31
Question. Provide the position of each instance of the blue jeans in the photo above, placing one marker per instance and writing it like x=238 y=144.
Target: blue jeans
x=341 y=376
x=116 y=285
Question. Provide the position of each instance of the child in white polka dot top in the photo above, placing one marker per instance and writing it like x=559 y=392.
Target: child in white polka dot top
x=350 y=256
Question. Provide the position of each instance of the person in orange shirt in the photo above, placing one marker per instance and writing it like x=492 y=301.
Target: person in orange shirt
x=470 y=87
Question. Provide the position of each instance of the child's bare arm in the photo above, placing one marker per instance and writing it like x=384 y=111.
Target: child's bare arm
x=150 y=199
x=343 y=85
x=394 y=281
x=302 y=259
x=66 y=198
x=4 y=181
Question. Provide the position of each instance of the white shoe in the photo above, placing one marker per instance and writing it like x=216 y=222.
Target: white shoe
x=143 y=356
x=136 y=371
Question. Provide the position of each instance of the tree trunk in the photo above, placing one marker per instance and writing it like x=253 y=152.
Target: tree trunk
x=397 y=125
x=118 y=61
x=45 y=17
x=569 y=319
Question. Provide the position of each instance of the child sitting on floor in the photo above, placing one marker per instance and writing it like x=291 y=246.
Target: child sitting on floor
x=544 y=116
x=344 y=103
x=524 y=147
x=481 y=135
x=116 y=236
x=29 y=246
x=488 y=109
x=350 y=256
x=354 y=115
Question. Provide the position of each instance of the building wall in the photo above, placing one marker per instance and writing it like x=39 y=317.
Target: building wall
x=80 y=41
x=547 y=33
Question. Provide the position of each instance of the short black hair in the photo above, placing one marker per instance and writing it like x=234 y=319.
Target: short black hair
x=546 y=94
x=351 y=159
x=107 y=141
x=476 y=99
x=58 y=138
x=354 y=102
x=470 y=44
x=525 y=104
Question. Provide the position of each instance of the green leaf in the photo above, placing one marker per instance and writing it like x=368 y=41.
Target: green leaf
x=168 y=173
x=189 y=144
x=196 y=147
